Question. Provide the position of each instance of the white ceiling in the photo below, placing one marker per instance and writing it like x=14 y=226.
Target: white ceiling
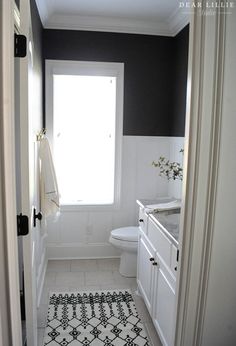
x=156 y=17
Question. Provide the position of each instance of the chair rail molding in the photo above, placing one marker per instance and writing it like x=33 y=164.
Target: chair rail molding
x=203 y=133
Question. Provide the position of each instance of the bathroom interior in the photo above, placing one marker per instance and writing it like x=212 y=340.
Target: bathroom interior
x=131 y=241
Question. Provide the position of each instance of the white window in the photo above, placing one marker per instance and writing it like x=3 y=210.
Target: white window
x=84 y=113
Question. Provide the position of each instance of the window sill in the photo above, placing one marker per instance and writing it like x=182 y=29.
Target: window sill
x=81 y=208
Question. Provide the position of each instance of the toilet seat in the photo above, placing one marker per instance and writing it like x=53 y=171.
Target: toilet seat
x=127 y=234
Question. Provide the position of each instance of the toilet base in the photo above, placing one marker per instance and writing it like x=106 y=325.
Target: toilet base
x=128 y=264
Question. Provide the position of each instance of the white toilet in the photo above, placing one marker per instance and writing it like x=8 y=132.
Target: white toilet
x=126 y=239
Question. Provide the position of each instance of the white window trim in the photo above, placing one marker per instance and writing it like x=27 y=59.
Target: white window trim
x=89 y=68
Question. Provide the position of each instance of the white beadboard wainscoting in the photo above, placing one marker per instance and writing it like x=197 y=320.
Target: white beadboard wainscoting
x=176 y=144
x=85 y=233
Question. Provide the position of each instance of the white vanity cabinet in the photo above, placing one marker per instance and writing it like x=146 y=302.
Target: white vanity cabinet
x=156 y=278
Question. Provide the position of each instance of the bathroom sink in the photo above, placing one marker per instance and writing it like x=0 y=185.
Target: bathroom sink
x=169 y=221
x=173 y=218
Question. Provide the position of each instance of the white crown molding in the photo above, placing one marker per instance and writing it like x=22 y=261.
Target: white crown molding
x=44 y=11
x=170 y=27
x=107 y=24
x=177 y=21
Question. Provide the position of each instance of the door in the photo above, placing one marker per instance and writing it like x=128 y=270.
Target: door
x=27 y=182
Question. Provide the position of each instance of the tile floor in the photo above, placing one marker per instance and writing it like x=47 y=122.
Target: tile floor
x=74 y=275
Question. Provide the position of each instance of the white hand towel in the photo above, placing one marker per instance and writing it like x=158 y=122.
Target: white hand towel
x=50 y=204
x=163 y=206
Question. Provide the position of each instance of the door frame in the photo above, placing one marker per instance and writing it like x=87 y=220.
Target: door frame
x=201 y=157
x=202 y=151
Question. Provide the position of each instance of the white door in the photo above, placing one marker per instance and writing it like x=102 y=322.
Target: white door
x=29 y=126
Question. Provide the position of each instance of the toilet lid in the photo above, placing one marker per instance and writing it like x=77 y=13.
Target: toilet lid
x=125 y=233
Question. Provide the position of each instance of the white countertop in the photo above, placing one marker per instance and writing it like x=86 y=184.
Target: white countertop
x=168 y=221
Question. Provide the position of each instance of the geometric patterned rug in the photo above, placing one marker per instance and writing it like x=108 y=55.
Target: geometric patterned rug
x=101 y=318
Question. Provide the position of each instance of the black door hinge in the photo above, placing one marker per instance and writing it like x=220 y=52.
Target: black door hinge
x=22 y=225
x=20 y=46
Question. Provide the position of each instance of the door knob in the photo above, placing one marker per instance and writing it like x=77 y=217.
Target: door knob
x=38 y=216
x=140 y=220
x=151 y=259
x=154 y=264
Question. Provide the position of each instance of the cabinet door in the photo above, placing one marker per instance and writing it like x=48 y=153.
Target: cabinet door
x=164 y=307
x=143 y=220
x=145 y=269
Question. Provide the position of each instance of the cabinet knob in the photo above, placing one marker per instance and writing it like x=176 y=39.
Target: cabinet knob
x=175 y=268
x=151 y=259
x=154 y=264
x=140 y=220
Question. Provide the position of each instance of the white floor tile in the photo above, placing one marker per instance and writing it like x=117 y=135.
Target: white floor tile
x=45 y=295
x=59 y=288
x=91 y=288
x=142 y=310
x=50 y=278
x=107 y=264
x=42 y=315
x=99 y=277
x=71 y=279
x=84 y=265
x=106 y=277
x=91 y=278
x=119 y=279
x=152 y=334
x=58 y=265
x=114 y=286
x=40 y=336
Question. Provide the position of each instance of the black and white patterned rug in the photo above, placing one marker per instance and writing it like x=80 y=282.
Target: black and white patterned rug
x=98 y=318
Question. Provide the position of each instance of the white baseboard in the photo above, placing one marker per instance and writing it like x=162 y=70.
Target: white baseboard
x=41 y=276
x=80 y=251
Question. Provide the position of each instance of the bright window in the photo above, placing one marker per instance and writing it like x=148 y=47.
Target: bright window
x=84 y=118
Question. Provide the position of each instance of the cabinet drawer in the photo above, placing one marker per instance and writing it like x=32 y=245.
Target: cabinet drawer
x=161 y=243
x=143 y=220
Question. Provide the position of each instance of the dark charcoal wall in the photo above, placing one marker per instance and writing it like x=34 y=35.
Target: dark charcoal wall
x=17 y=2
x=38 y=65
x=180 y=82
x=149 y=73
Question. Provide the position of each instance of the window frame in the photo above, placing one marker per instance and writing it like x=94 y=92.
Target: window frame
x=97 y=69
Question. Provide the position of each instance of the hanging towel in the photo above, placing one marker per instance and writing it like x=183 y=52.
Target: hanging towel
x=173 y=205
x=50 y=204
